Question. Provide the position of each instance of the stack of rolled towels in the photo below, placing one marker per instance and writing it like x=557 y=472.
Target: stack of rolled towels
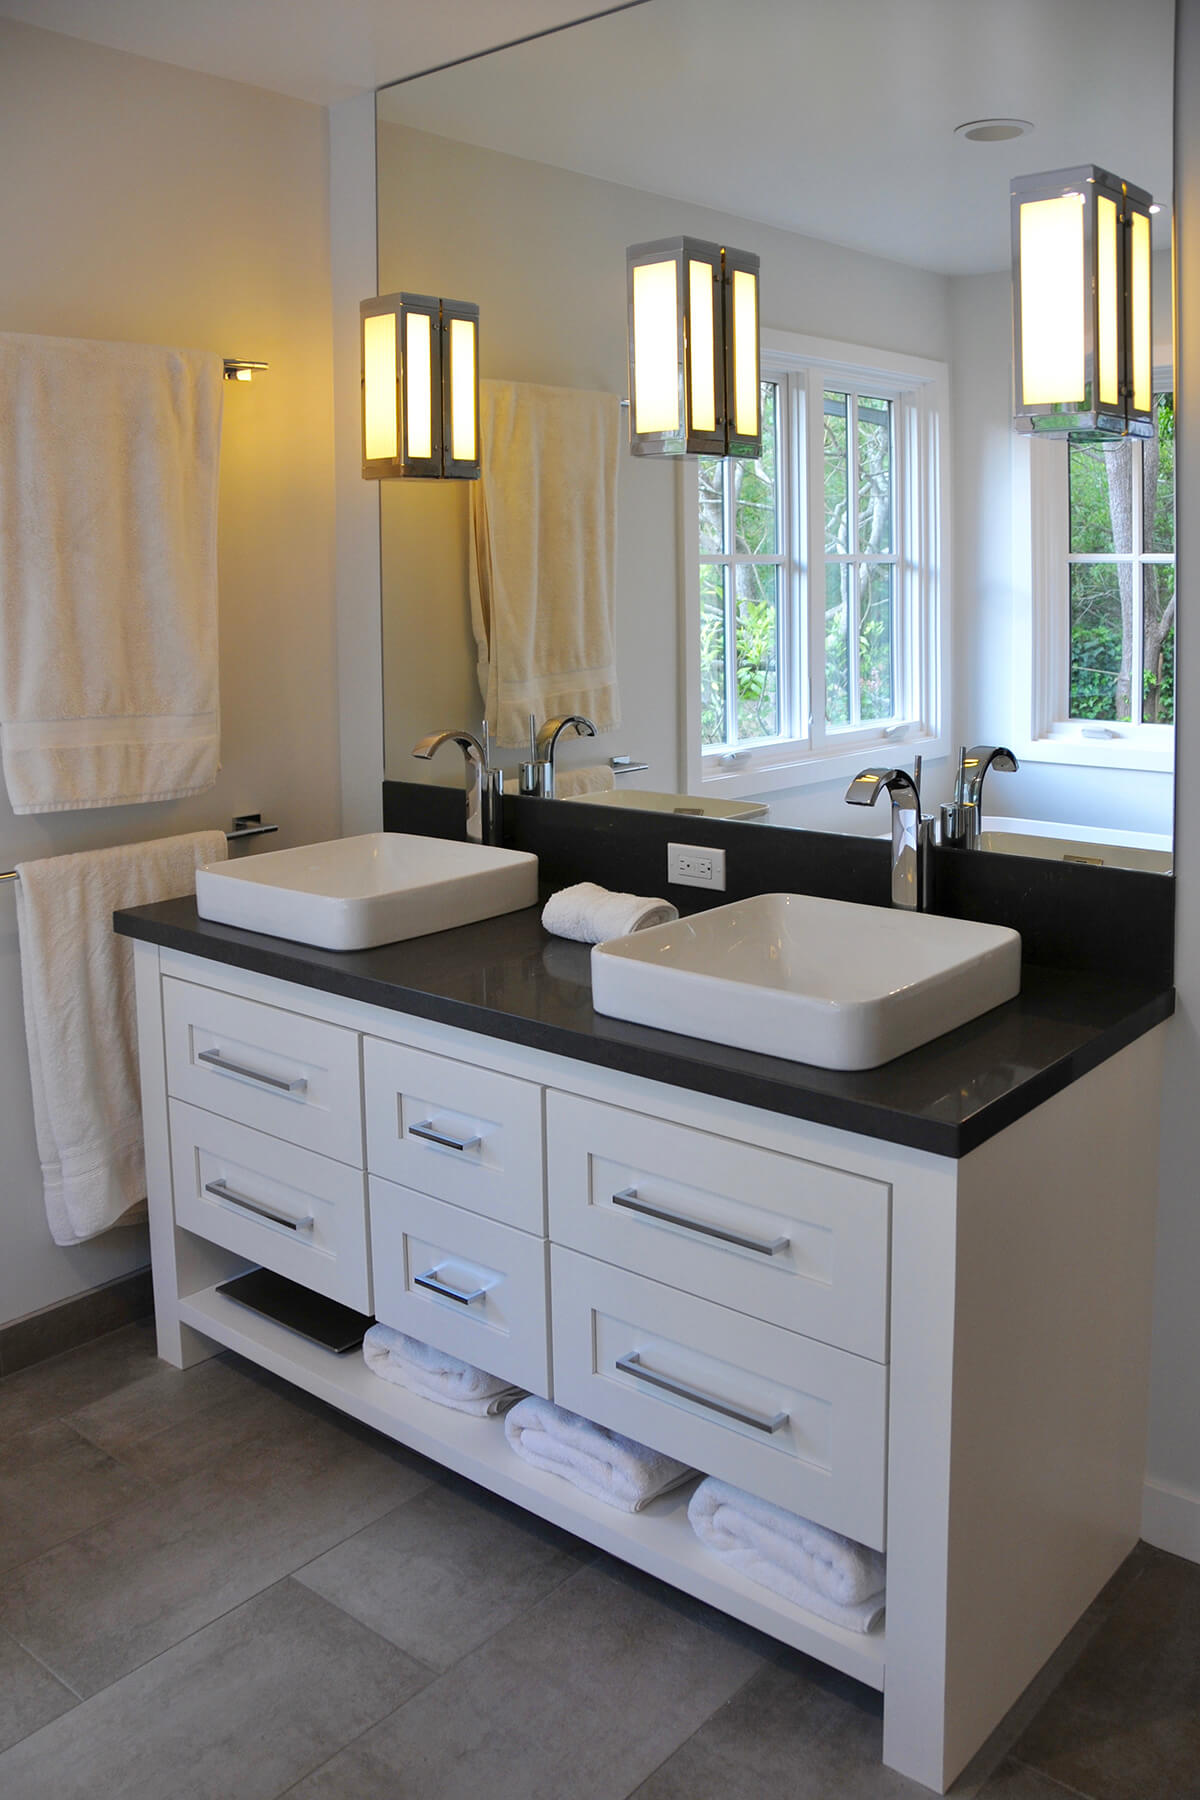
x=435 y=1375
x=600 y=1462
x=820 y=1570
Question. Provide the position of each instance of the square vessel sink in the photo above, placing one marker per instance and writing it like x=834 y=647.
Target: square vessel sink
x=816 y=981
x=356 y=892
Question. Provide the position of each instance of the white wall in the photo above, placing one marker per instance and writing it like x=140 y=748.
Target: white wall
x=1172 y=1516
x=542 y=251
x=153 y=204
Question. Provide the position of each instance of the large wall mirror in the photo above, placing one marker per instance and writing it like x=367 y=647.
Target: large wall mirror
x=899 y=573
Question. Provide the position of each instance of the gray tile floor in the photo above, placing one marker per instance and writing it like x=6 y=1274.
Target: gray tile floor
x=214 y=1588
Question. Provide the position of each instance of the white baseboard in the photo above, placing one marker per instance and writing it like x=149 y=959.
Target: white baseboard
x=1171 y=1519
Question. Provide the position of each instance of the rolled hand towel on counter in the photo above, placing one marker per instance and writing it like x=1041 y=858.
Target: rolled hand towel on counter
x=435 y=1375
x=592 y=778
x=598 y=1461
x=592 y=914
x=817 y=1569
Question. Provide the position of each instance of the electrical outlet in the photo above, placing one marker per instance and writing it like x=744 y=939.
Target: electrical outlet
x=696 y=865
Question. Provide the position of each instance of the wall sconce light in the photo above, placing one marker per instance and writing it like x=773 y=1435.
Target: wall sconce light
x=693 y=350
x=420 y=387
x=1082 y=320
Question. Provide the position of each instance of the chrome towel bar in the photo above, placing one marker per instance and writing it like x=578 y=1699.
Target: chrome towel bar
x=246 y=825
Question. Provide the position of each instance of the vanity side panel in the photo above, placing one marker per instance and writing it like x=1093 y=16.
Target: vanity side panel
x=1055 y=1251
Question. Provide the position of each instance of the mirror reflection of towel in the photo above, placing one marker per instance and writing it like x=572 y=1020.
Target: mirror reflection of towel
x=542 y=556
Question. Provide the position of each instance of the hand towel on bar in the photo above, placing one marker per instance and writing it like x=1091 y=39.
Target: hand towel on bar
x=598 y=1461
x=542 y=553
x=435 y=1375
x=817 y=1569
x=108 y=572
x=592 y=778
x=77 y=989
x=592 y=914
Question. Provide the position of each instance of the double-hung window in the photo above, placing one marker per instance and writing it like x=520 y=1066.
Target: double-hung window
x=815 y=593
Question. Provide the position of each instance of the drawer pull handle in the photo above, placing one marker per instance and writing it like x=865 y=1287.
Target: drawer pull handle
x=427 y=1130
x=430 y=1280
x=628 y=1198
x=297 y=1085
x=632 y=1364
x=262 y=1207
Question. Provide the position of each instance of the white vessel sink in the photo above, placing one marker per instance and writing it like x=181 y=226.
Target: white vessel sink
x=816 y=981
x=356 y=892
x=1104 y=848
x=651 y=800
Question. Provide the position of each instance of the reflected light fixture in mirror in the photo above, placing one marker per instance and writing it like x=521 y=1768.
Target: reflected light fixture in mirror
x=693 y=350
x=1082 y=341
x=420 y=387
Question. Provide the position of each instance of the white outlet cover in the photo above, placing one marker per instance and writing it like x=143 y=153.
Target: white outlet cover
x=679 y=875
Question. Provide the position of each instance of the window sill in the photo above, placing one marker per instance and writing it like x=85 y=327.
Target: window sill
x=1100 y=753
x=817 y=766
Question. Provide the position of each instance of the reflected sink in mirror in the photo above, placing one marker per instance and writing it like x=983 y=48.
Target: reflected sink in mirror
x=1090 y=845
x=355 y=893
x=691 y=806
x=826 y=982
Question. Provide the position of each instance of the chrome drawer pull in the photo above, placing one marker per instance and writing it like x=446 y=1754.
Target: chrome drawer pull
x=628 y=1198
x=297 y=1085
x=427 y=1130
x=632 y=1364
x=430 y=1280
x=262 y=1207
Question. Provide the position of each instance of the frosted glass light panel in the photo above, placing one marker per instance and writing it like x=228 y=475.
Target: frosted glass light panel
x=693 y=350
x=1082 y=341
x=420 y=387
x=460 y=390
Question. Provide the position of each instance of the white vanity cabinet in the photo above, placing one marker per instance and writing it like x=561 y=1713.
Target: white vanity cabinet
x=945 y=1359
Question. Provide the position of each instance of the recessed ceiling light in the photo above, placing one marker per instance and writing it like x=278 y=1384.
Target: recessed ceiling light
x=992 y=131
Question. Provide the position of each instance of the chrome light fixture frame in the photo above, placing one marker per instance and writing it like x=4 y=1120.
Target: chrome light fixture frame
x=440 y=463
x=1094 y=418
x=689 y=438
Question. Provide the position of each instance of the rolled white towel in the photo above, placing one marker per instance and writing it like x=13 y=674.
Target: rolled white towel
x=435 y=1375
x=592 y=778
x=593 y=914
x=599 y=1461
x=817 y=1569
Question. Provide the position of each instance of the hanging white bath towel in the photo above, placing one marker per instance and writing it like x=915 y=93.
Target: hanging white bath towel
x=77 y=988
x=108 y=571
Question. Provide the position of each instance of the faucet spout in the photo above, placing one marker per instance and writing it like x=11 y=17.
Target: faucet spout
x=547 y=745
x=483 y=812
x=912 y=836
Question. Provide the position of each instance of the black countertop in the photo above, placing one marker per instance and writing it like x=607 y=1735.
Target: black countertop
x=507 y=978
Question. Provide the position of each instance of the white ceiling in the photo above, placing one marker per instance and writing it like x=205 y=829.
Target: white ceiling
x=834 y=118
x=322 y=50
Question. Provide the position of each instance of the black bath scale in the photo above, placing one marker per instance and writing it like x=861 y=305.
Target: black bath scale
x=322 y=1321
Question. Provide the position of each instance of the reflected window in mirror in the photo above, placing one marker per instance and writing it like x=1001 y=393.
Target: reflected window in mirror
x=1102 y=615
x=814 y=593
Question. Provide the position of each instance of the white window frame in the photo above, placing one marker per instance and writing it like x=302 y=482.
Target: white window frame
x=919 y=389
x=1042 y=622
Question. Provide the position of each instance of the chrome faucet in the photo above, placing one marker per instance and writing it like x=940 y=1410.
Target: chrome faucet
x=912 y=836
x=962 y=818
x=541 y=779
x=485 y=785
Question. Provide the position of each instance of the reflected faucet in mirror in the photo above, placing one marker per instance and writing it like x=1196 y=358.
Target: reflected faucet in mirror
x=485 y=784
x=912 y=835
x=962 y=817
x=537 y=775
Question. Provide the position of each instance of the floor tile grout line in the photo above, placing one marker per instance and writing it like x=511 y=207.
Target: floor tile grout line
x=1064 y=1786
x=42 y=1664
x=684 y=1741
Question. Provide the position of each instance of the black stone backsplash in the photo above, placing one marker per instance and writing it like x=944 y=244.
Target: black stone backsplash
x=1102 y=921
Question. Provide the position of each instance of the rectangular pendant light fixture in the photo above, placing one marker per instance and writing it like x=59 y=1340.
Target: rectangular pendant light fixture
x=693 y=350
x=420 y=387
x=1082 y=320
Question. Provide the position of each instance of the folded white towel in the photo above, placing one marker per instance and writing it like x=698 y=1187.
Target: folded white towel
x=77 y=988
x=108 y=568
x=600 y=1462
x=593 y=915
x=592 y=778
x=435 y=1375
x=817 y=1569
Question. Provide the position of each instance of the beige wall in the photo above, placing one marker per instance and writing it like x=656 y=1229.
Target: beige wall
x=153 y=204
x=543 y=253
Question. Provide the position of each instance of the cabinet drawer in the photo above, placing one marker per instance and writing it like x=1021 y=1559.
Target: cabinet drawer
x=793 y=1420
x=224 y=1172
x=789 y=1241
x=276 y=1071
x=491 y=1308
x=447 y=1128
